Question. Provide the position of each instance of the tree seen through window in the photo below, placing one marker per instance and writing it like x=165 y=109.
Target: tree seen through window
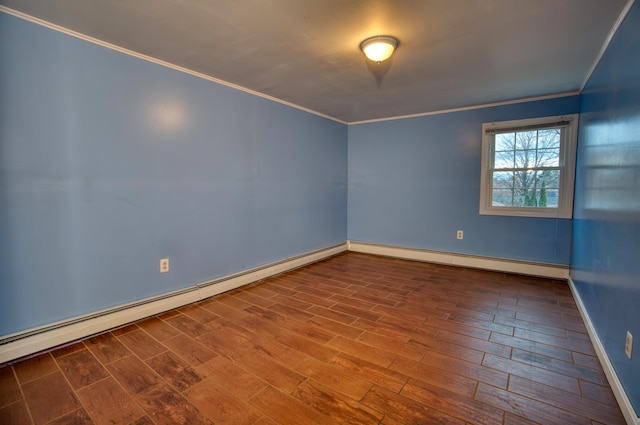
x=526 y=169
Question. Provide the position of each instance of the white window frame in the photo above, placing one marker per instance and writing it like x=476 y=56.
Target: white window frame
x=567 y=164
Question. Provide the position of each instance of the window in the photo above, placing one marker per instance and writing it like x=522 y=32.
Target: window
x=528 y=167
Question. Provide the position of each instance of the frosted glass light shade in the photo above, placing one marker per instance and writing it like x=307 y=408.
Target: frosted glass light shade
x=380 y=48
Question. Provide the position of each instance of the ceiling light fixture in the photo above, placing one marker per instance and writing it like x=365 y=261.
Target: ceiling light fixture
x=379 y=48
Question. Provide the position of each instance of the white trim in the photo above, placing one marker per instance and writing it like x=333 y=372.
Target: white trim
x=178 y=68
x=46 y=337
x=553 y=271
x=607 y=41
x=469 y=108
x=616 y=386
x=218 y=286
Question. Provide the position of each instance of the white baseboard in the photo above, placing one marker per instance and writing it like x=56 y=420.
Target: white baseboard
x=553 y=271
x=616 y=386
x=42 y=338
x=227 y=283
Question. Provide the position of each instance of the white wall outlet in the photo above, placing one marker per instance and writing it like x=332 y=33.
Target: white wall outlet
x=460 y=234
x=164 y=265
x=628 y=346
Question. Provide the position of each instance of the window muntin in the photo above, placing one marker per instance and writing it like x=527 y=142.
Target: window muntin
x=528 y=166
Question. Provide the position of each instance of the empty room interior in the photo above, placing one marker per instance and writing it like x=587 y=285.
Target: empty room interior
x=234 y=212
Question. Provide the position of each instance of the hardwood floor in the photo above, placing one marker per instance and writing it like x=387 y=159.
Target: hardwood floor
x=355 y=339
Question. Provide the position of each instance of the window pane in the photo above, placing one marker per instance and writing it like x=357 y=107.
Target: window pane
x=519 y=199
x=524 y=180
x=503 y=159
x=548 y=158
x=502 y=189
x=552 y=198
x=502 y=198
x=526 y=140
x=550 y=178
x=546 y=198
x=549 y=139
x=503 y=180
x=525 y=158
x=525 y=188
x=504 y=142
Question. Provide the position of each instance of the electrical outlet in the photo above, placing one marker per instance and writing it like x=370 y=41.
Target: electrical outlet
x=628 y=346
x=460 y=234
x=164 y=265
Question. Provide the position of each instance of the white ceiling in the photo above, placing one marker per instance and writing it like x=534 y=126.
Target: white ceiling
x=452 y=53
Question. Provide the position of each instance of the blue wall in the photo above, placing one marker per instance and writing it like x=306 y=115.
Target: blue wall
x=109 y=163
x=606 y=228
x=414 y=182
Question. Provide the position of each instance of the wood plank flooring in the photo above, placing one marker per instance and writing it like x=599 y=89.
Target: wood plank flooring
x=354 y=339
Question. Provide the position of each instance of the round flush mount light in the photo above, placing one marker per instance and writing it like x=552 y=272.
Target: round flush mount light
x=379 y=48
